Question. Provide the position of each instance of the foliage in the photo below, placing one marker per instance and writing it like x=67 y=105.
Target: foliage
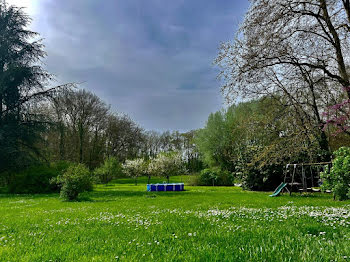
x=167 y=165
x=36 y=179
x=213 y=140
x=265 y=178
x=254 y=140
x=110 y=169
x=135 y=168
x=215 y=177
x=75 y=180
x=337 y=178
x=22 y=87
x=337 y=116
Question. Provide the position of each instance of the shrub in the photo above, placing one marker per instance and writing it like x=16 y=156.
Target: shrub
x=337 y=178
x=36 y=179
x=75 y=180
x=215 y=177
x=109 y=170
x=262 y=178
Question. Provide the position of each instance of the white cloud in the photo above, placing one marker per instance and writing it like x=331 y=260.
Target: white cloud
x=31 y=6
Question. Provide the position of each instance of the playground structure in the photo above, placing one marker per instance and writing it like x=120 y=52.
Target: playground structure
x=302 y=177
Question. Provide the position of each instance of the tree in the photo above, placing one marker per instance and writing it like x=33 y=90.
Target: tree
x=166 y=165
x=84 y=113
x=124 y=138
x=254 y=140
x=300 y=55
x=109 y=170
x=213 y=140
x=191 y=152
x=135 y=168
x=22 y=88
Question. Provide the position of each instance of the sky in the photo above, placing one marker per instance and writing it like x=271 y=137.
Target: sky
x=150 y=59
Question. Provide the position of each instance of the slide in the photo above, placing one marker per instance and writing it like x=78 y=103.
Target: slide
x=278 y=189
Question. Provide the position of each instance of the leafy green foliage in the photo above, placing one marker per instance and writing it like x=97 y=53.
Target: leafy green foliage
x=36 y=179
x=254 y=140
x=337 y=178
x=215 y=177
x=75 y=180
x=109 y=170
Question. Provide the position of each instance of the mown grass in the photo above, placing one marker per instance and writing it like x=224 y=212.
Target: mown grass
x=123 y=222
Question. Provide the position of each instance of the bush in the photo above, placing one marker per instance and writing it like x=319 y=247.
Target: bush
x=75 y=180
x=36 y=179
x=262 y=178
x=337 y=178
x=215 y=177
x=109 y=170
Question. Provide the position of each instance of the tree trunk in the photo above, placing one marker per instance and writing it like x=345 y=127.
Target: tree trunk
x=324 y=146
x=61 y=130
x=346 y=4
x=337 y=45
x=0 y=109
x=81 y=136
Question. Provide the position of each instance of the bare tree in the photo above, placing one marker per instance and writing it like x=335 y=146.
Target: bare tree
x=291 y=49
x=84 y=114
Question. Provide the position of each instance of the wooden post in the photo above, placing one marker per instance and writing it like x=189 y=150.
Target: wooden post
x=291 y=187
x=303 y=178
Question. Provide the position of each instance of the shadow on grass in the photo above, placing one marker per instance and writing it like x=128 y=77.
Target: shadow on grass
x=101 y=195
x=36 y=196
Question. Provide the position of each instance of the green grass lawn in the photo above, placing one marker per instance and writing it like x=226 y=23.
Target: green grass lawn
x=123 y=222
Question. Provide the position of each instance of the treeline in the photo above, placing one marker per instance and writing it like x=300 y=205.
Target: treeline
x=80 y=128
x=85 y=130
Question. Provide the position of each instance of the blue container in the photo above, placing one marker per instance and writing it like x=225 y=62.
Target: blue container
x=166 y=187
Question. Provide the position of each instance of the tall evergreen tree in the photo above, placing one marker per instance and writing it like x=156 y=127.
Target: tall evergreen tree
x=23 y=84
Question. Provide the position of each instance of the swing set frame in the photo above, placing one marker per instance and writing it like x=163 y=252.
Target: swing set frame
x=303 y=185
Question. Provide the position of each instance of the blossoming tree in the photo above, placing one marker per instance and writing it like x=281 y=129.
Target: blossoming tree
x=135 y=168
x=166 y=165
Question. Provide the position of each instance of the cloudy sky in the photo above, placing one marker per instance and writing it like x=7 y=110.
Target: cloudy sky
x=151 y=59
